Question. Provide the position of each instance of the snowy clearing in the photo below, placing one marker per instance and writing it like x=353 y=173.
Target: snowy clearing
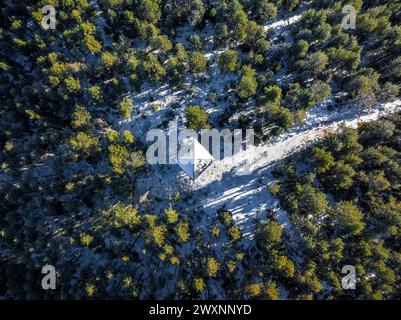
x=240 y=185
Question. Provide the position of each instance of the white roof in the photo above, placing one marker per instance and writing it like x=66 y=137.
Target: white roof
x=193 y=158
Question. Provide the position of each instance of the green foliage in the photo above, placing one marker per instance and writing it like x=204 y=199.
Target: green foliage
x=234 y=232
x=290 y=5
x=215 y=231
x=272 y=94
x=128 y=137
x=4 y=66
x=181 y=53
x=86 y=239
x=81 y=118
x=151 y=69
x=318 y=92
x=121 y=216
x=312 y=201
x=322 y=159
x=269 y=235
x=348 y=218
x=84 y=144
x=296 y=98
x=364 y=87
x=310 y=280
x=376 y=132
x=157 y=234
x=281 y=116
x=117 y=157
x=301 y=48
x=133 y=63
x=266 y=10
x=108 y=59
x=196 y=42
x=284 y=266
x=315 y=63
x=248 y=84
x=73 y=85
x=162 y=43
x=75 y=187
x=377 y=182
x=221 y=34
x=95 y=93
x=373 y=22
x=353 y=169
x=255 y=37
x=136 y=159
x=148 y=10
x=113 y=136
x=228 y=61
x=147 y=31
x=197 y=62
x=182 y=231
x=340 y=57
x=227 y=218
x=199 y=284
x=341 y=175
x=125 y=107
x=90 y=43
x=197 y=118
x=15 y=25
x=254 y=290
x=171 y=214
x=90 y=289
x=271 y=291
x=212 y=267
x=235 y=17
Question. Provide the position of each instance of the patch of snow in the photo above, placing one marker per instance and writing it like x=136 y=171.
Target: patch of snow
x=240 y=185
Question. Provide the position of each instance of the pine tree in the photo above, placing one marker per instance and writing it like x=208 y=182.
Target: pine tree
x=197 y=118
x=228 y=61
x=212 y=267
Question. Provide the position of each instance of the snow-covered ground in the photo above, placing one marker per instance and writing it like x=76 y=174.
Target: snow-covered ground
x=240 y=185
x=152 y=106
x=279 y=25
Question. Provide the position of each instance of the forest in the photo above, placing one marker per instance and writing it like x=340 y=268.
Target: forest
x=77 y=191
x=343 y=197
